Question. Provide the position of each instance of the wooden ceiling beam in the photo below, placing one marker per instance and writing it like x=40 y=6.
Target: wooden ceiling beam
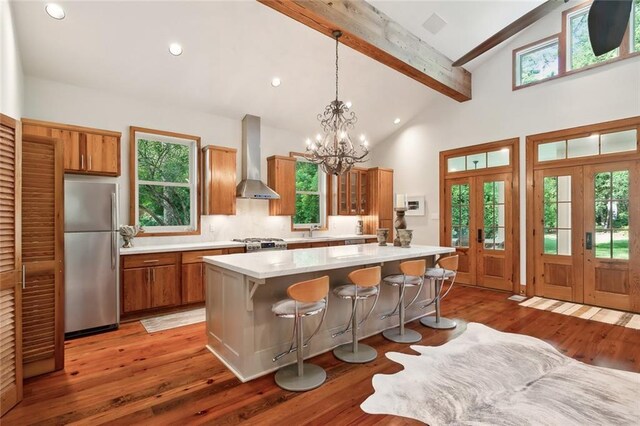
x=372 y=33
x=510 y=30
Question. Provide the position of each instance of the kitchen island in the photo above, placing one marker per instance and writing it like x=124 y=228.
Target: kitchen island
x=241 y=288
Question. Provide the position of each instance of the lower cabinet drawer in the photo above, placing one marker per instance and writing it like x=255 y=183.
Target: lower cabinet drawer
x=149 y=260
x=196 y=256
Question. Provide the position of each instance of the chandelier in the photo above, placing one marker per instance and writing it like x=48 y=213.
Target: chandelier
x=334 y=151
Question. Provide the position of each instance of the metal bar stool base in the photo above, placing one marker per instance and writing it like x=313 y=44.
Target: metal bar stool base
x=365 y=353
x=442 y=324
x=313 y=376
x=409 y=336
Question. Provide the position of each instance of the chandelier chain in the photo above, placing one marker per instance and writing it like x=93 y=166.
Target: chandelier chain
x=337 y=37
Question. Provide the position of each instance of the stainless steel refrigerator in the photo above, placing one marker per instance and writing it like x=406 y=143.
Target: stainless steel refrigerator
x=91 y=257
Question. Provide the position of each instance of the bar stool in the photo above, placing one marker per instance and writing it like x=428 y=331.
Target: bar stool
x=366 y=284
x=412 y=276
x=307 y=298
x=446 y=269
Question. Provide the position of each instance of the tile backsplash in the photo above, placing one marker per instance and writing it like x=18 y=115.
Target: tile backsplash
x=251 y=220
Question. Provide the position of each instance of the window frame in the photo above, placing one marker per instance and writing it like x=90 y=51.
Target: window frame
x=517 y=53
x=322 y=194
x=195 y=170
x=625 y=49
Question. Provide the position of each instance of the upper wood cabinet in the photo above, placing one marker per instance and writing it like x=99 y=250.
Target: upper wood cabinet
x=352 y=193
x=380 y=215
x=281 y=177
x=86 y=150
x=10 y=265
x=219 y=180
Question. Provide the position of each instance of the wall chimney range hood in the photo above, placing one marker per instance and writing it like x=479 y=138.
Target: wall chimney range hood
x=251 y=186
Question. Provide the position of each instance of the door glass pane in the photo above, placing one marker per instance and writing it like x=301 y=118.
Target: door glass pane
x=456 y=164
x=460 y=215
x=550 y=241
x=611 y=208
x=552 y=151
x=618 y=141
x=557 y=215
x=477 y=161
x=564 y=188
x=498 y=158
x=494 y=219
x=583 y=147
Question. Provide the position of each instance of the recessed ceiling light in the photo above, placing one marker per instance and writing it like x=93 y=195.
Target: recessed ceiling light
x=348 y=104
x=275 y=82
x=55 y=11
x=396 y=121
x=175 y=49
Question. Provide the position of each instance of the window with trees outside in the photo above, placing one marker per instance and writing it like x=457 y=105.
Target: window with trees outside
x=310 y=195
x=570 y=51
x=538 y=62
x=579 y=52
x=165 y=177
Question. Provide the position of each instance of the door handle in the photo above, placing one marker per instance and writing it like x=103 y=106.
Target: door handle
x=114 y=235
x=89 y=162
x=153 y=275
x=24 y=277
x=81 y=161
x=148 y=275
x=588 y=241
x=480 y=236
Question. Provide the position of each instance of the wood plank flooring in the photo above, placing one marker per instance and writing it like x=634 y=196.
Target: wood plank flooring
x=129 y=376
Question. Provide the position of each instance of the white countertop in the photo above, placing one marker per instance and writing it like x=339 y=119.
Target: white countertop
x=269 y=264
x=207 y=245
x=161 y=248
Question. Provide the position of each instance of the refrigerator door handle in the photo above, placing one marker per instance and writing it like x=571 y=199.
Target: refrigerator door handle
x=114 y=235
x=24 y=276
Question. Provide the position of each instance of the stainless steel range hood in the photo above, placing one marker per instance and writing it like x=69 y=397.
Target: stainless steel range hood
x=251 y=186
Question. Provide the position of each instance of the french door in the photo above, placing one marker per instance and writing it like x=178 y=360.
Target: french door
x=479 y=215
x=587 y=246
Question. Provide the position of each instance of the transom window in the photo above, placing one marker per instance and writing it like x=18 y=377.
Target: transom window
x=310 y=195
x=591 y=145
x=165 y=175
x=481 y=160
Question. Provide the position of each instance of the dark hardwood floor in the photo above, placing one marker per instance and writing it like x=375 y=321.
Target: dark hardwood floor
x=129 y=376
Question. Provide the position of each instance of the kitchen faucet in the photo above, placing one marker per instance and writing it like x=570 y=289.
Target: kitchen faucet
x=313 y=228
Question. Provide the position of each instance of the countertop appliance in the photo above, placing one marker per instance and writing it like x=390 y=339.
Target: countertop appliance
x=91 y=257
x=258 y=244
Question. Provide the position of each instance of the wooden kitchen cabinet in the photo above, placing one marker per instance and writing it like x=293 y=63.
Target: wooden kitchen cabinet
x=381 y=214
x=165 y=286
x=352 y=192
x=86 y=150
x=281 y=177
x=136 y=294
x=152 y=287
x=193 y=274
x=219 y=180
x=160 y=281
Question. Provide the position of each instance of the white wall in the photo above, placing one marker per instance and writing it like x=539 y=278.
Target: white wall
x=495 y=113
x=59 y=102
x=11 y=77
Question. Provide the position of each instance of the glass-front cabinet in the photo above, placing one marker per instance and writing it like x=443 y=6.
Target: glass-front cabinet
x=352 y=193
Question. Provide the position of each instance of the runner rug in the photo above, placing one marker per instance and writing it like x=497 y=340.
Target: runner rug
x=593 y=313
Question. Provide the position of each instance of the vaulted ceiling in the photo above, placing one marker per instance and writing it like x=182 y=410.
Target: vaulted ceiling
x=232 y=49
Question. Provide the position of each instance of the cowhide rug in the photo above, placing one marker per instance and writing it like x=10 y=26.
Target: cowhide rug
x=486 y=377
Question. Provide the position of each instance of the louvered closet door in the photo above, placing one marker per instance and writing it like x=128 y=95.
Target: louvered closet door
x=42 y=236
x=10 y=266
